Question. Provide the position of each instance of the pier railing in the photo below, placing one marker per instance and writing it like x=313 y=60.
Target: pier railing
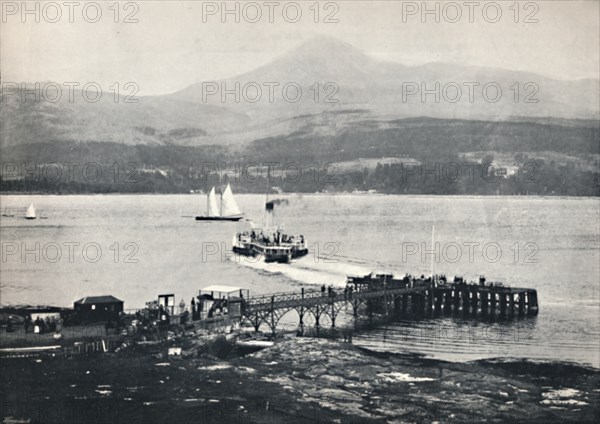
x=415 y=296
x=283 y=297
x=328 y=296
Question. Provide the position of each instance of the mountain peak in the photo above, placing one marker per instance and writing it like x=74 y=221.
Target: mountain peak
x=322 y=47
x=321 y=58
x=327 y=43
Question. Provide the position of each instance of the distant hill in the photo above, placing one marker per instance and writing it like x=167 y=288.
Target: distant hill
x=369 y=155
x=430 y=139
x=152 y=120
x=421 y=138
x=358 y=82
x=378 y=86
x=170 y=137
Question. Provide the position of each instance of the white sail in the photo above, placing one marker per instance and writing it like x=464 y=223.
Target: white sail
x=30 y=212
x=229 y=206
x=212 y=209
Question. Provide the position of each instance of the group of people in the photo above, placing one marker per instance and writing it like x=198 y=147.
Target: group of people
x=332 y=293
x=276 y=237
x=266 y=238
x=42 y=326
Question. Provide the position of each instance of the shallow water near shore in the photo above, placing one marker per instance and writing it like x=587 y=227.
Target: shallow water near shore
x=138 y=246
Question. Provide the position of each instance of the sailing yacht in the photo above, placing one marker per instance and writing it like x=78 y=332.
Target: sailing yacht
x=30 y=214
x=230 y=210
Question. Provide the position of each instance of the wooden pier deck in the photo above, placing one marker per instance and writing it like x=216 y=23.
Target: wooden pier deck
x=374 y=294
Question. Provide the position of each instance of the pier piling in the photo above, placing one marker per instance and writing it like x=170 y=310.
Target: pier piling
x=375 y=295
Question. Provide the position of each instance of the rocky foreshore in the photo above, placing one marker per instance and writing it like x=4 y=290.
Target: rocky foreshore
x=296 y=380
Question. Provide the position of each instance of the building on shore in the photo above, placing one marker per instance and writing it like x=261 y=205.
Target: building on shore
x=98 y=308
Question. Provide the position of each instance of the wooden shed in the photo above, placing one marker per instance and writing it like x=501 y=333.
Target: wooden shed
x=98 y=308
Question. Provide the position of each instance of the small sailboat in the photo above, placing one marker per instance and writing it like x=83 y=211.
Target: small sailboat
x=30 y=214
x=230 y=210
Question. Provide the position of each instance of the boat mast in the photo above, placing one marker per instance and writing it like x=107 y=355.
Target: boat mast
x=433 y=247
x=432 y=256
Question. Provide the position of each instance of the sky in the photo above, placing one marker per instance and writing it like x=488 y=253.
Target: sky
x=174 y=44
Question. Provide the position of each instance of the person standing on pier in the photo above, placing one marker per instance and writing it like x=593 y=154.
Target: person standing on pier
x=28 y=324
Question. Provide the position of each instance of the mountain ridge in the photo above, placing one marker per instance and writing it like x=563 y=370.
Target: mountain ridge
x=368 y=90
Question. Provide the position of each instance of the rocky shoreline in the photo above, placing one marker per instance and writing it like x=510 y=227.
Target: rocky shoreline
x=296 y=380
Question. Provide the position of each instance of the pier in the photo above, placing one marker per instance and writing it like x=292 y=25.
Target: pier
x=383 y=294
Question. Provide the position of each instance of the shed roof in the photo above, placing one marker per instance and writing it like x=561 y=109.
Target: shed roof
x=97 y=299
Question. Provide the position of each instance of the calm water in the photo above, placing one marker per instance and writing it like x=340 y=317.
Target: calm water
x=151 y=245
